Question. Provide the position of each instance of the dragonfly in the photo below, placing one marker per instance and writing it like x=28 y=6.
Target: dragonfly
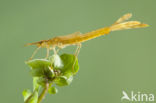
x=77 y=38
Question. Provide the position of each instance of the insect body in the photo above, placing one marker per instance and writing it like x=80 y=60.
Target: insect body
x=77 y=38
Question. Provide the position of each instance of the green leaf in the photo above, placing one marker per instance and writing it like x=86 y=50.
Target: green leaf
x=52 y=74
x=52 y=90
x=35 y=84
x=38 y=63
x=42 y=81
x=37 y=72
x=26 y=93
x=34 y=97
x=70 y=63
x=63 y=80
x=40 y=68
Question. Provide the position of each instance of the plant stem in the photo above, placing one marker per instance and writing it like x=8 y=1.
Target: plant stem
x=28 y=99
x=43 y=93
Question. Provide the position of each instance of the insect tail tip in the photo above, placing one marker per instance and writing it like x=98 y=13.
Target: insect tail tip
x=145 y=25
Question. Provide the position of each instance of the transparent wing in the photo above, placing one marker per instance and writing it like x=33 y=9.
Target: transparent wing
x=70 y=36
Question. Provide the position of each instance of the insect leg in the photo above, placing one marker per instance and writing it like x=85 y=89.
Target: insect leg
x=59 y=48
x=77 y=50
x=34 y=53
x=76 y=54
x=47 y=53
x=55 y=51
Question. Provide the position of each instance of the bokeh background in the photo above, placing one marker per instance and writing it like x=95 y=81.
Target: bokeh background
x=123 y=60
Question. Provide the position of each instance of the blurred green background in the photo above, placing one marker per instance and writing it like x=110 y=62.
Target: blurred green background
x=123 y=60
